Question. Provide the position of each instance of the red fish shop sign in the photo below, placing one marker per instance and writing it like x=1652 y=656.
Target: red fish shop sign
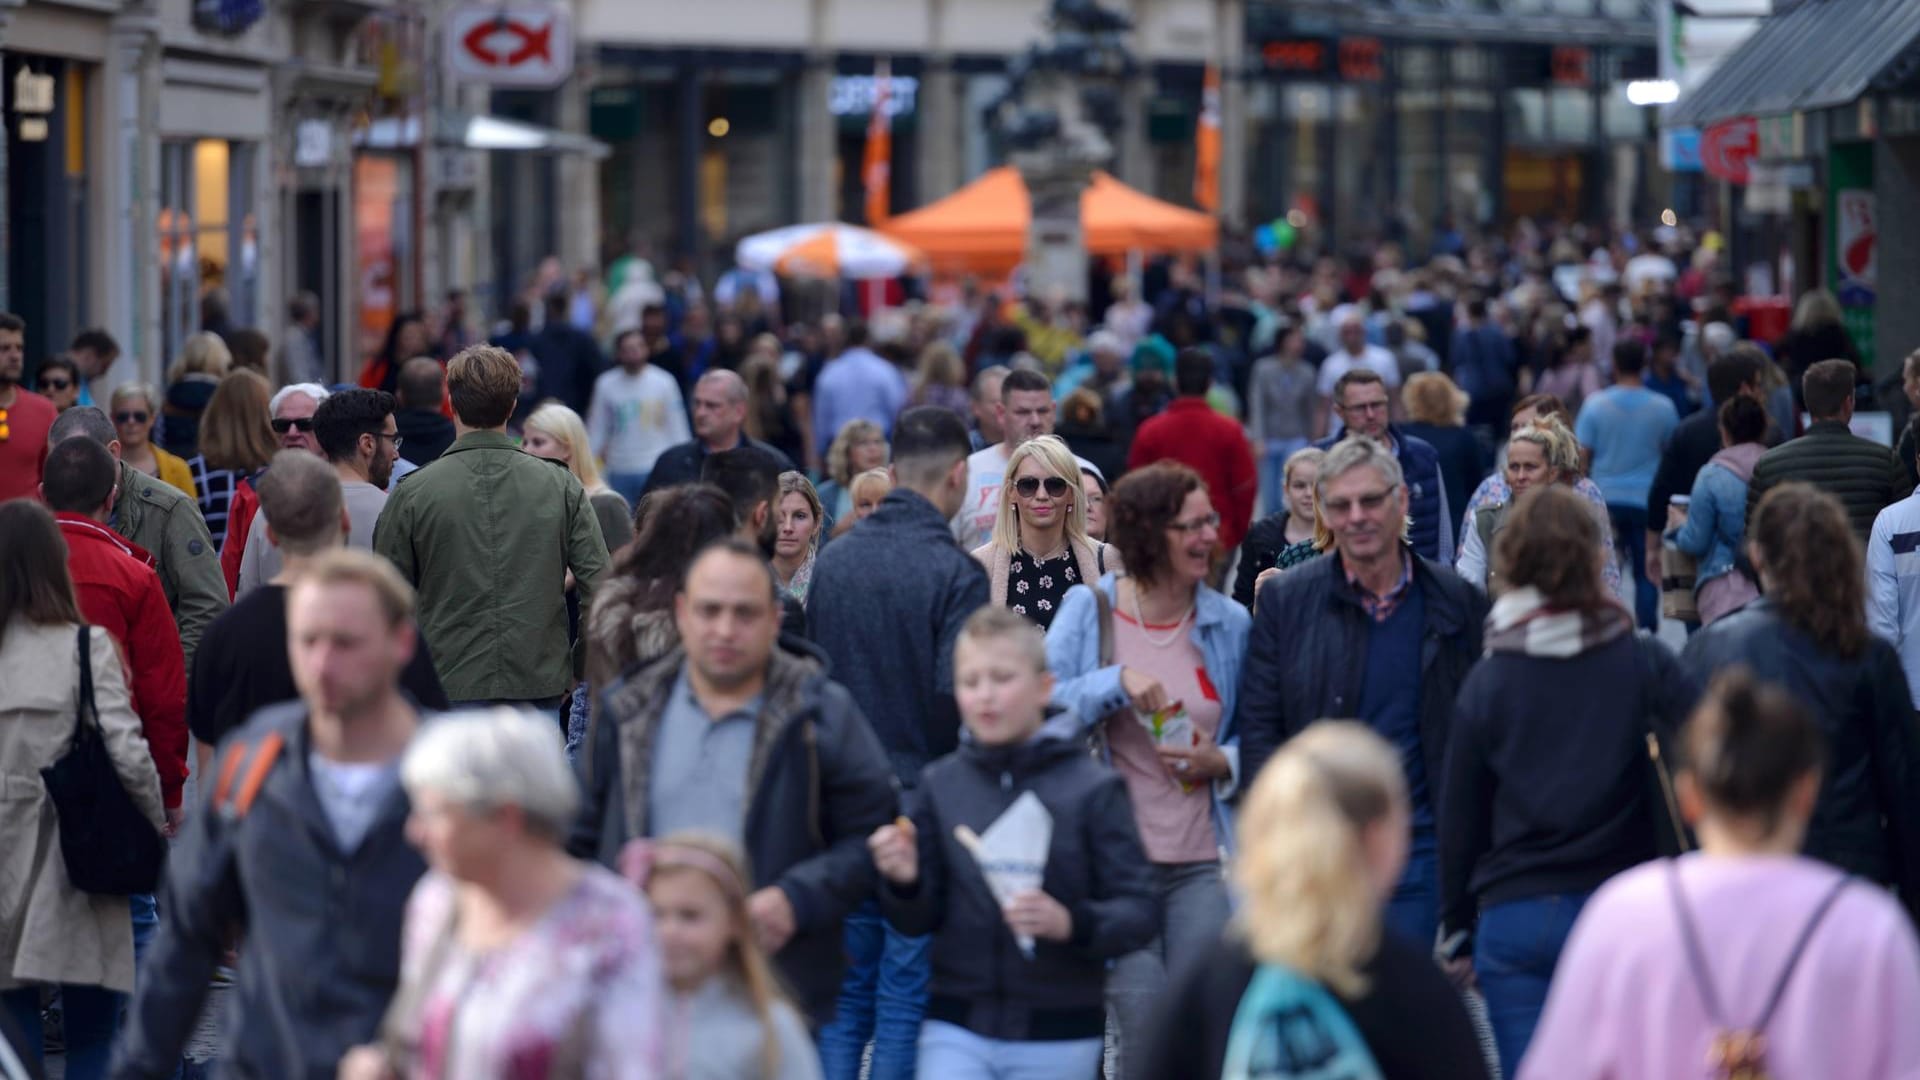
x=510 y=44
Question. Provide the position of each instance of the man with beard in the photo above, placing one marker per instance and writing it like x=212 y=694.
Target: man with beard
x=750 y=475
x=25 y=416
x=357 y=432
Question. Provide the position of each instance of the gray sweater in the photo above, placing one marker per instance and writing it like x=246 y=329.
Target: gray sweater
x=717 y=1036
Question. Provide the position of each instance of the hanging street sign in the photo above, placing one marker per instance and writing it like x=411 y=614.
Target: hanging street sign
x=528 y=45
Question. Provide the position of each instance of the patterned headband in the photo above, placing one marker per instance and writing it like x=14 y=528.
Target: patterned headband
x=641 y=859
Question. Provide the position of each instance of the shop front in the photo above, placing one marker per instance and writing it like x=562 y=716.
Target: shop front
x=50 y=230
x=1368 y=138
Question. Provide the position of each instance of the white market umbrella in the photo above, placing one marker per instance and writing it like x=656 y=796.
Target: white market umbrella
x=831 y=250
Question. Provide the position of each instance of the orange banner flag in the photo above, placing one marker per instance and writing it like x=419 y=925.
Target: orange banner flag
x=876 y=170
x=1206 y=157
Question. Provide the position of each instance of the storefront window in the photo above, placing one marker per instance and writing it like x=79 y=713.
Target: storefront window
x=209 y=238
x=1570 y=113
x=1360 y=188
x=1470 y=150
x=383 y=242
x=1623 y=119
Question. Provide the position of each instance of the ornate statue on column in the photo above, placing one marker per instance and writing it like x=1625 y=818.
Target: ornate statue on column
x=1058 y=119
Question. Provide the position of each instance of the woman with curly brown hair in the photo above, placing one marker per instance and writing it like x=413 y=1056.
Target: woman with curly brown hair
x=1808 y=632
x=1545 y=794
x=1152 y=661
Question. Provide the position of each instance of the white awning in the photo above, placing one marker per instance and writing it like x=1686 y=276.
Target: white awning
x=478 y=133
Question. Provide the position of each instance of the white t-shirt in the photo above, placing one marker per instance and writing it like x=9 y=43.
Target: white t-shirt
x=986 y=469
x=351 y=794
x=1341 y=362
x=634 y=418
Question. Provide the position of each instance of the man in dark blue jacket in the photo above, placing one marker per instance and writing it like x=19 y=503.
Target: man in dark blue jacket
x=1374 y=631
x=312 y=869
x=569 y=359
x=1360 y=401
x=887 y=603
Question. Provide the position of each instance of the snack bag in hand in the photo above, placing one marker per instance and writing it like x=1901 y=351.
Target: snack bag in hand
x=1012 y=853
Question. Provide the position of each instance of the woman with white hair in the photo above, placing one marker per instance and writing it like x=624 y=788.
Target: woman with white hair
x=516 y=960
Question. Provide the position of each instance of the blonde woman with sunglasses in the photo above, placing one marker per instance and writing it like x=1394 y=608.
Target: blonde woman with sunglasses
x=1040 y=547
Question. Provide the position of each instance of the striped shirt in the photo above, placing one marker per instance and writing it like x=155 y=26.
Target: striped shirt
x=214 y=488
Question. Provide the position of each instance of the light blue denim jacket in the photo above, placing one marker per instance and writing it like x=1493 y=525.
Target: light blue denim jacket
x=1220 y=631
x=1717 y=516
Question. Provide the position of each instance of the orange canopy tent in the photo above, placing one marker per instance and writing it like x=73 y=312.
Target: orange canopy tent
x=982 y=228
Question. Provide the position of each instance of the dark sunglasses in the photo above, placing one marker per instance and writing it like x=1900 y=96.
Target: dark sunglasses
x=129 y=418
x=1029 y=486
x=56 y=384
x=304 y=423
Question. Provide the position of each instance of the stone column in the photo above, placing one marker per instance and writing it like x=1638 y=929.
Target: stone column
x=579 y=174
x=816 y=142
x=1133 y=163
x=129 y=175
x=1230 y=32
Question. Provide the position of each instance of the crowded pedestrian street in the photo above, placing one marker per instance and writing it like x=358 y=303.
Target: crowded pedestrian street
x=959 y=539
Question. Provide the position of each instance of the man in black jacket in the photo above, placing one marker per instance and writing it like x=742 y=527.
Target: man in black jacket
x=1697 y=439
x=719 y=425
x=1374 y=632
x=887 y=603
x=313 y=873
x=732 y=735
x=425 y=432
x=1861 y=473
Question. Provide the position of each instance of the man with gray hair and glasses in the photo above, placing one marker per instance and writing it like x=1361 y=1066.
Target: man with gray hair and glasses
x=1373 y=631
x=158 y=517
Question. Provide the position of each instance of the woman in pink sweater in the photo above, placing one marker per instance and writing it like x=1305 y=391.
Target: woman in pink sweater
x=1744 y=955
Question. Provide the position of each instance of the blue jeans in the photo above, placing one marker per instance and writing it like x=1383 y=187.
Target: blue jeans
x=882 y=999
x=1515 y=950
x=92 y=1015
x=629 y=485
x=1630 y=540
x=1273 y=473
x=951 y=1052
x=1413 y=912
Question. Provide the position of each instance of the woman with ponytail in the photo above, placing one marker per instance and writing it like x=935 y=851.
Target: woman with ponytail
x=1809 y=633
x=1745 y=955
x=1546 y=794
x=1308 y=973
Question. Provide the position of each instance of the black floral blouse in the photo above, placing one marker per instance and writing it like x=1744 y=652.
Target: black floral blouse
x=1035 y=588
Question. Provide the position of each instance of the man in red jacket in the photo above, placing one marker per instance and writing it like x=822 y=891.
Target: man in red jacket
x=1215 y=446
x=120 y=590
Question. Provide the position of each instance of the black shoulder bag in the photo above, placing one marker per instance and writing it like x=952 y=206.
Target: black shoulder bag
x=109 y=845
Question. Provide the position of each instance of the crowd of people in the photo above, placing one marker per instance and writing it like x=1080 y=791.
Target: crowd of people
x=1262 y=680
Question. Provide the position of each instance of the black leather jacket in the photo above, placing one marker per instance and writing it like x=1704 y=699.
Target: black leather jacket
x=1865 y=821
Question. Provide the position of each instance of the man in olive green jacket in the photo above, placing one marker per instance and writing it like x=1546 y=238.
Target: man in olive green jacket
x=165 y=522
x=487 y=534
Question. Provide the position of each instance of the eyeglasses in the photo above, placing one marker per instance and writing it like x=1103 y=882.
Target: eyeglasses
x=6 y=429
x=1334 y=508
x=302 y=423
x=1364 y=406
x=130 y=417
x=56 y=384
x=1188 y=528
x=383 y=435
x=1029 y=486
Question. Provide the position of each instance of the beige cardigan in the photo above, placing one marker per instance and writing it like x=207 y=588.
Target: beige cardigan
x=1090 y=556
x=51 y=932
